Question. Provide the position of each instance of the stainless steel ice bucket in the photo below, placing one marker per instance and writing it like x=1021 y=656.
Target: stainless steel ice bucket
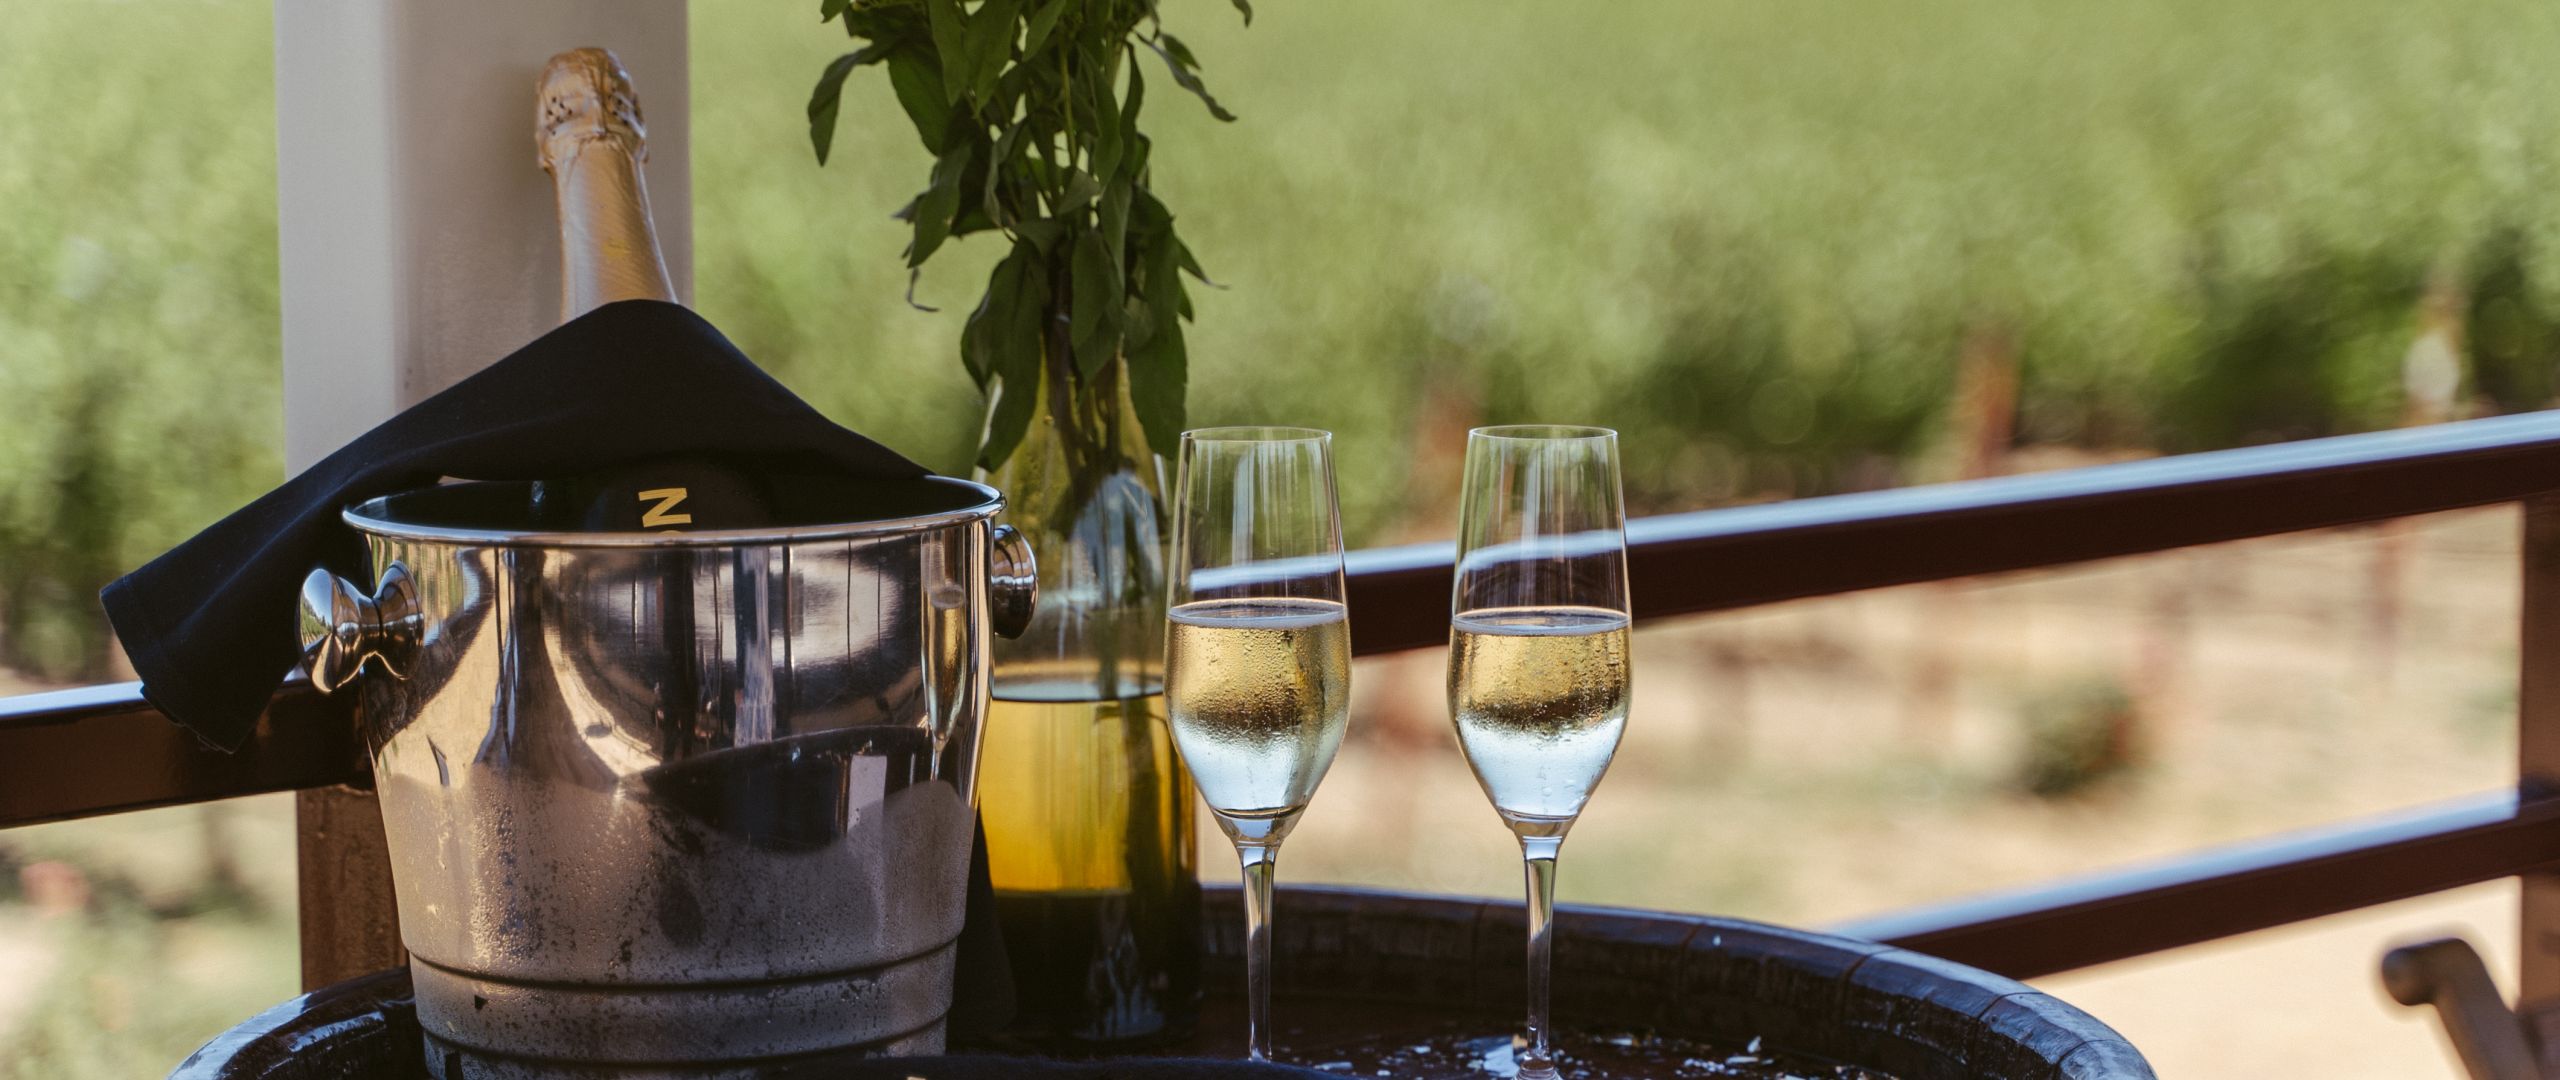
x=673 y=803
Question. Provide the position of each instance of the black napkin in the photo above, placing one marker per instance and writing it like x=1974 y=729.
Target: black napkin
x=970 y=1067
x=210 y=625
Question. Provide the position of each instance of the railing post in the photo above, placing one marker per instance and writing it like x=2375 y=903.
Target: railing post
x=417 y=244
x=350 y=923
x=2538 y=747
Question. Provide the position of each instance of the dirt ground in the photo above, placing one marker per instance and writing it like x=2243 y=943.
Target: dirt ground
x=2298 y=1001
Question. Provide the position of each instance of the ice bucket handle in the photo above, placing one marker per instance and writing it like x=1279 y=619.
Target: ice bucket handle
x=342 y=627
x=1013 y=582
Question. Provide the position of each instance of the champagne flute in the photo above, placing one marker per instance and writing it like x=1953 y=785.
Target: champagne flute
x=1538 y=673
x=1258 y=650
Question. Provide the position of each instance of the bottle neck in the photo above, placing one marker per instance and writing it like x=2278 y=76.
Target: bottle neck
x=592 y=143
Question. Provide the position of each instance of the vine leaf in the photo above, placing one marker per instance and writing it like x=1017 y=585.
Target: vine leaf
x=1178 y=52
x=1133 y=146
x=1009 y=337
x=1041 y=233
x=950 y=28
x=1179 y=60
x=1191 y=266
x=1010 y=401
x=995 y=208
x=1159 y=359
x=990 y=44
x=1094 y=87
x=1159 y=376
x=1094 y=309
x=1138 y=323
x=1112 y=220
x=935 y=208
x=985 y=340
x=915 y=277
x=1082 y=189
x=1024 y=113
x=1157 y=387
x=1015 y=362
x=1035 y=33
x=916 y=77
x=829 y=95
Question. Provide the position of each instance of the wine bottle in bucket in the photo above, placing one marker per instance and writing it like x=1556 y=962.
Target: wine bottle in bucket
x=590 y=137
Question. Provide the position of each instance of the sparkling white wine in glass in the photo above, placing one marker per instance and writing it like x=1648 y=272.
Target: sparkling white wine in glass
x=1540 y=698
x=1261 y=693
x=1257 y=652
x=1538 y=665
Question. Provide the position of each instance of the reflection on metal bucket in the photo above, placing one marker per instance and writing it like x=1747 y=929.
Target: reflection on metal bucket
x=671 y=804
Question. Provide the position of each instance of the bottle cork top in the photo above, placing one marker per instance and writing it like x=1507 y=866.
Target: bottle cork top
x=584 y=96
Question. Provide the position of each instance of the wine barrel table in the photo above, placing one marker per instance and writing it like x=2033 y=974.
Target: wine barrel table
x=1366 y=982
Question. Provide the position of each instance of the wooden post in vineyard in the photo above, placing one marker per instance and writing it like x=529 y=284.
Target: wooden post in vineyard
x=2433 y=375
x=1981 y=428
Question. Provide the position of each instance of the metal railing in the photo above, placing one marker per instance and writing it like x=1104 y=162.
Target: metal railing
x=105 y=750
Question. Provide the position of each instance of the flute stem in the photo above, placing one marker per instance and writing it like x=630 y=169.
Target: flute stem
x=1539 y=855
x=1259 y=861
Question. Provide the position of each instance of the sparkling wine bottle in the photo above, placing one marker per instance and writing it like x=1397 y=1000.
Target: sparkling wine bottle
x=589 y=136
x=1088 y=808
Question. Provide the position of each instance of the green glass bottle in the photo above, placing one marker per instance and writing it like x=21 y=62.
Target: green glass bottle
x=1088 y=810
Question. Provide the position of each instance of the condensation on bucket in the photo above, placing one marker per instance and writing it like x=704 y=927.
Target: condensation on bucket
x=683 y=806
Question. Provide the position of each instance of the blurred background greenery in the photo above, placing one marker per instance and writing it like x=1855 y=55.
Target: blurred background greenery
x=1757 y=238
x=1763 y=240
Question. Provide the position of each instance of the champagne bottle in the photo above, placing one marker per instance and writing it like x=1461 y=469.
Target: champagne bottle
x=588 y=134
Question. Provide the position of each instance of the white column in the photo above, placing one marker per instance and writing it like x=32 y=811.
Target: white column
x=416 y=230
x=418 y=245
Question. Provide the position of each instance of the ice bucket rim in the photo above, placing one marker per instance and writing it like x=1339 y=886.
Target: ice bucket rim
x=372 y=516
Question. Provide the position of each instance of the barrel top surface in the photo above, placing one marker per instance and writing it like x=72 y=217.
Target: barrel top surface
x=1372 y=968
x=1699 y=976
